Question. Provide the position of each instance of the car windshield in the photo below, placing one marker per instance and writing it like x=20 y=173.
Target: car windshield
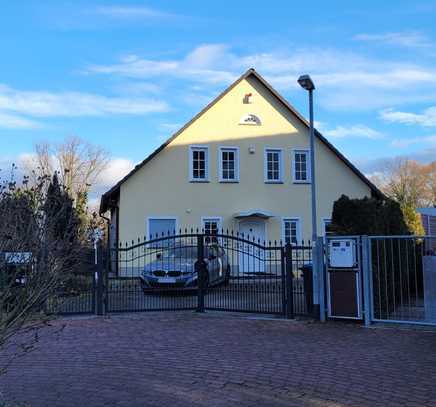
x=187 y=252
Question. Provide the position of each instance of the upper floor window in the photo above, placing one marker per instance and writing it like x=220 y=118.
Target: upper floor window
x=291 y=230
x=301 y=166
x=273 y=165
x=199 y=163
x=229 y=164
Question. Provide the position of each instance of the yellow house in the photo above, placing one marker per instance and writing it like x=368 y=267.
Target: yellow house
x=241 y=164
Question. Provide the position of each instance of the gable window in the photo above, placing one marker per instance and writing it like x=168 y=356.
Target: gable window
x=273 y=165
x=301 y=166
x=291 y=230
x=229 y=164
x=211 y=227
x=199 y=164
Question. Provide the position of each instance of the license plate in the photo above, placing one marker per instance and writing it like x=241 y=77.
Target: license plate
x=167 y=280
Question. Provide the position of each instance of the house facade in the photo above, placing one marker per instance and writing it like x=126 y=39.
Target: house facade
x=241 y=164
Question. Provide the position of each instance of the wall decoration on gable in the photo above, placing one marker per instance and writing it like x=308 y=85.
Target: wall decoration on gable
x=250 y=119
x=248 y=99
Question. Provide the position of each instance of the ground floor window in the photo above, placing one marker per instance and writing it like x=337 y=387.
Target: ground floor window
x=291 y=230
x=158 y=227
x=211 y=227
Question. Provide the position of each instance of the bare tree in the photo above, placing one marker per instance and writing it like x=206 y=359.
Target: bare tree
x=38 y=252
x=412 y=185
x=431 y=184
x=78 y=163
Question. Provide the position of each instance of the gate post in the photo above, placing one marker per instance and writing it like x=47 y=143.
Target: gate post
x=367 y=295
x=99 y=277
x=289 y=278
x=200 y=267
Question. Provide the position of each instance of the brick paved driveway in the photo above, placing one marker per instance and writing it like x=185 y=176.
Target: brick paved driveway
x=186 y=359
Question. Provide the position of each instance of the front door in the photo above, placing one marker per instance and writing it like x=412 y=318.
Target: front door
x=252 y=257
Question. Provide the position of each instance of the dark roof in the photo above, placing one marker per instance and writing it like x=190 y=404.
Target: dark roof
x=114 y=191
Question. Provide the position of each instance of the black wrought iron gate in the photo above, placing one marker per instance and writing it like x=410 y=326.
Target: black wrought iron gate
x=194 y=271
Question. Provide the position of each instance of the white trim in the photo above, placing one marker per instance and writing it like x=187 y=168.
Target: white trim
x=191 y=150
x=308 y=165
x=265 y=165
x=147 y=232
x=296 y=219
x=250 y=119
x=220 y=164
x=219 y=220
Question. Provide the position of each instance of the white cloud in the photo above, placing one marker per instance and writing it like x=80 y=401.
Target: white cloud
x=374 y=165
x=132 y=12
x=359 y=131
x=403 y=143
x=172 y=127
x=427 y=118
x=71 y=104
x=12 y=121
x=344 y=80
x=116 y=170
x=411 y=39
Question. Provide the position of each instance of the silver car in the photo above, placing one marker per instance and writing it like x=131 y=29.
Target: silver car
x=175 y=268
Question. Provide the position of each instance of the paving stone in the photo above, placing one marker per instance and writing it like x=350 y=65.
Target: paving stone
x=184 y=359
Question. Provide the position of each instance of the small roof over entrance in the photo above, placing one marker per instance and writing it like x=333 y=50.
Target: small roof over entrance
x=258 y=213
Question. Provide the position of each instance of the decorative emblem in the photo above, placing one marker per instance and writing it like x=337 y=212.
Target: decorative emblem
x=250 y=119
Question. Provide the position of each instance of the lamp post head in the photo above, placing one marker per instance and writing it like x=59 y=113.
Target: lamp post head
x=306 y=82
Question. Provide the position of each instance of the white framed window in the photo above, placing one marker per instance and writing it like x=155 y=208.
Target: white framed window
x=211 y=227
x=291 y=230
x=273 y=165
x=159 y=227
x=228 y=164
x=301 y=166
x=198 y=163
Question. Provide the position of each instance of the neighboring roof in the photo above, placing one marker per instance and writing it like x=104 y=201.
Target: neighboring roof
x=251 y=72
x=427 y=211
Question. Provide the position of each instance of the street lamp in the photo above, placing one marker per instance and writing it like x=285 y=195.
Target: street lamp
x=306 y=83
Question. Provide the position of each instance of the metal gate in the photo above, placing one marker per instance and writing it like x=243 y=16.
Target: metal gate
x=401 y=279
x=195 y=271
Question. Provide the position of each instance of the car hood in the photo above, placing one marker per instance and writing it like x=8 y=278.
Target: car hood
x=184 y=266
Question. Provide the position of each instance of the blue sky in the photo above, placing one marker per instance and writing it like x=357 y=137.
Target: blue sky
x=127 y=74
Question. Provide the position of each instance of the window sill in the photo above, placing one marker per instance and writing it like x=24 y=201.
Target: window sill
x=302 y=182
x=273 y=182
x=229 y=181
x=199 y=181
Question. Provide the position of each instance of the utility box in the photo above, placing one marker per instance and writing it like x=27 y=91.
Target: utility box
x=342 y=253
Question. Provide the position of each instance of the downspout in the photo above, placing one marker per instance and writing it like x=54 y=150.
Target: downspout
x=108 y=230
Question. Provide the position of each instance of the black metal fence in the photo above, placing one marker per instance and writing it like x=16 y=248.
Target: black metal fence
x=225 y=271
x=77 y=292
